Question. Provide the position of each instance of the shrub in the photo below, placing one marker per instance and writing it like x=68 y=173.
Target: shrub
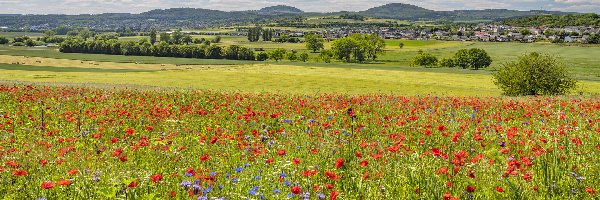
x=262 y=56
x=472 y=58
x=303 y=57
x=534 y=74
x=447 y=62
x=424 y=59
x=3 y=40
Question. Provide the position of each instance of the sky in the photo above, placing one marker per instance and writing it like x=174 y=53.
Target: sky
x=137 y=6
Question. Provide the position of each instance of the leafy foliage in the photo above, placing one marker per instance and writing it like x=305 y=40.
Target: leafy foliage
x=277 y=54
x=314 y=42
x=424 y=59
x=3 y=40
x=534 y=74
x=472 y=59
x=358 y=47
x=590 y=19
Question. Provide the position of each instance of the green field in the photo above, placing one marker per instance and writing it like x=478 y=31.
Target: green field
x=391 y=74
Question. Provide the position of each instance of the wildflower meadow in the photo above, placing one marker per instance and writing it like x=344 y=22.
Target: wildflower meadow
x=82 y=143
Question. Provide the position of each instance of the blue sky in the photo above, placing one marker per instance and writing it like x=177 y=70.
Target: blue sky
x=137 y=6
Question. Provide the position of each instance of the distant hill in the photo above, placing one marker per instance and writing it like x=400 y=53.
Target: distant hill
x=196 y=17
x=556 y=21
x=400 y=11
x=411 y=12
x=280 y=9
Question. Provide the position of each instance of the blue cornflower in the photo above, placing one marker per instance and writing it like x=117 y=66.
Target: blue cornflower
x=208 y=189
x=276 y=191
x=246 y=164
x=186 y=184
x=220 y=187
x=287 y=121
x=203 y=198
x=196 y=189
x=282 y=175
x=234 y=180
x=213 y=174
x=257 y=177
x=227 y=175
x=287 y=183
x=239 y=169
x=42 y=198
x=305 y=195
x=188 y=174
x=321 y=196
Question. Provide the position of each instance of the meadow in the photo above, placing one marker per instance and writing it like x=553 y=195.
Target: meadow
x=391 y=74
x=82 y=143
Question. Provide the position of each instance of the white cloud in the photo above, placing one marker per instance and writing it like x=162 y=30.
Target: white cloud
x=137 y=6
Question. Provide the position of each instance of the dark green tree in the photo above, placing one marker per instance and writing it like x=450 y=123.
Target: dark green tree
x=472 y=59
x=534 y=74
x=314 y=42
x=424 y=59
x=153 y=36
x=277 y=54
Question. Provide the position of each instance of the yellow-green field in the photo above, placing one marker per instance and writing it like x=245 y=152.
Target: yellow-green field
x=254 y=78
x=391 y=74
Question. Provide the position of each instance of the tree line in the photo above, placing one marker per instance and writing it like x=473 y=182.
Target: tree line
x=143 y=47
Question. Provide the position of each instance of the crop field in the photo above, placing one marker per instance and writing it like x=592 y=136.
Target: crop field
x=65 y=142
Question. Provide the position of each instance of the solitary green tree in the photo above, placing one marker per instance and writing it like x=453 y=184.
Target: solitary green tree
x=165 y=37
x=277 y=54
x=85 y=34
x=314 y=42
x=534 y=74
x=424 y=59
x=472 y=59
x=3 y=40
x=303 y=57
x=152 y=36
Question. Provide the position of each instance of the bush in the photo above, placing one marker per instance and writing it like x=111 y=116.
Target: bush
x=447 y=62
x=472 y=59
x=3 y=40
x=292 y=56
x=262 y=56
x=424 y=59
x=303 y=57
x=534 y=74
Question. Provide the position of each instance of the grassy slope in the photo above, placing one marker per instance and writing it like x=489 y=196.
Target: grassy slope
x=390 y=76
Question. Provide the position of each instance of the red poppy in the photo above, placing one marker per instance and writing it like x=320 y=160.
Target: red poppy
x=20 y=172
x=281 y=152
x=270 y=160
x=47 y=184
x=331 y=175
x=329 y=186
x=499 y=189
x=43 y=162
x=442 y=170
x=333 y=195
x=590 y=191
x=296 y=190
x=470 y=188
x=296 y=161
x=63 y=182
x=13 y=164
x=527 y=177
x=133 y=184
x=123 y=158
x=204 y=157
x=339 y=163
x=73 y=171
x=156 y=177
x=364 y=163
